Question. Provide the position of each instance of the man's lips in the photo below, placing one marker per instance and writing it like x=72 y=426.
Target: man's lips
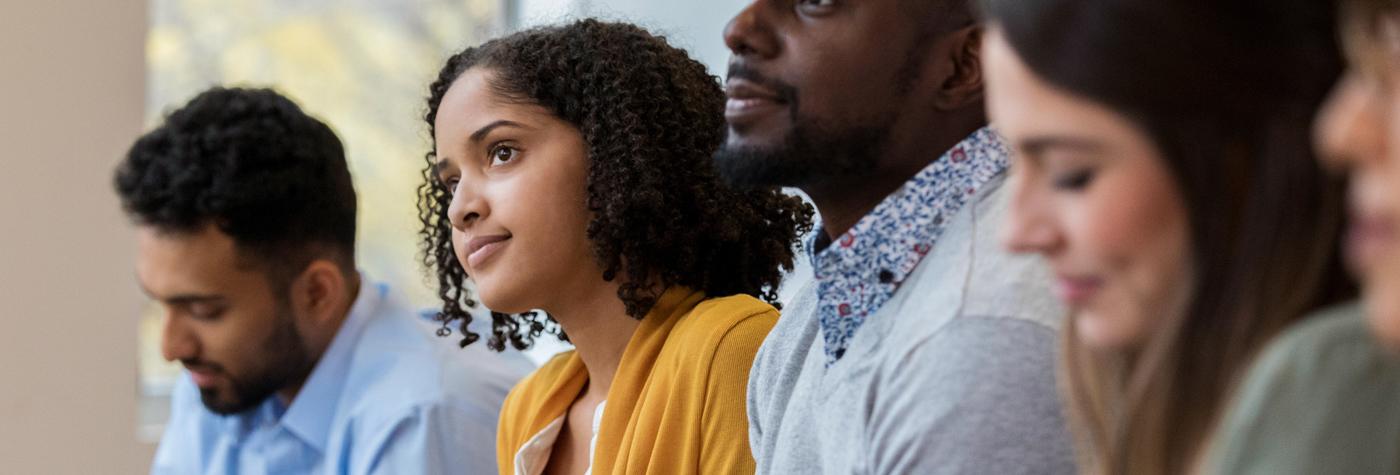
x=746 y=96
x=483 y=247
x=202 y=375
x=744 y=89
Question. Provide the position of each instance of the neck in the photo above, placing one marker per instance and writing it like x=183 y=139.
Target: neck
x=597 y=323
x=843 y=201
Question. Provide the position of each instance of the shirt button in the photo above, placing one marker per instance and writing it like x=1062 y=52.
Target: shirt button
x=886 y=276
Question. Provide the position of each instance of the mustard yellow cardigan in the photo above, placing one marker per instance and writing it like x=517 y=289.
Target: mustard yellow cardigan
x=676 y=405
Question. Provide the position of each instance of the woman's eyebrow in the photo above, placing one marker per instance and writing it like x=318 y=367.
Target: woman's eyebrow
x=481 y=133
x=1039 y=144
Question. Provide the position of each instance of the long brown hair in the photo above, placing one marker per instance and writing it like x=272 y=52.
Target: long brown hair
x=1227 y=91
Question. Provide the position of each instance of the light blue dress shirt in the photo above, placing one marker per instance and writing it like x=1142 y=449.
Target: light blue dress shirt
x=387 y=397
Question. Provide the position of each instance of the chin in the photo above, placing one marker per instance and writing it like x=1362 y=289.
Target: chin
x=504 y=298
x=219 y=402
x=1382 y=304
x=757 y=138
x=1105 y=331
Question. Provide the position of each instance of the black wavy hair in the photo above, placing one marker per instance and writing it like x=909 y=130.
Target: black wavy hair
x=651 y=118
x=252 y=163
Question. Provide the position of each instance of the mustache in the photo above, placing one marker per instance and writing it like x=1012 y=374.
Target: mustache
x=786 y=92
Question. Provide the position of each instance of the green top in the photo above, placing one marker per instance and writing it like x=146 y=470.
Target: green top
x=1322 y=399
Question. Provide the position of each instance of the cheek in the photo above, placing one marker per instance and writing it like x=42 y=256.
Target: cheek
x=1390 y=145
x=546 y=214
x=1135 y=232
x=1376 y=182
x=554 y=219
x=227 y=344
x=826 y=92
x=551 y=234
x=459 y=247
x=1391 y=126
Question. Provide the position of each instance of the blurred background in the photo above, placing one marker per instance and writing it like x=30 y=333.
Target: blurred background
x=82 y=386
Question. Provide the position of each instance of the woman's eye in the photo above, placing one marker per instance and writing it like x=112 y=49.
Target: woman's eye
x=449 y=183
x=1074 y=181
x=501 y=154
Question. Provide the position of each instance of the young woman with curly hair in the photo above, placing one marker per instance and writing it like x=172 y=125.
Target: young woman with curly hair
x=572 y=173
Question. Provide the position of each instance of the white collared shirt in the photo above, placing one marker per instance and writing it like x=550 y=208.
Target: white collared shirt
x=533 y=457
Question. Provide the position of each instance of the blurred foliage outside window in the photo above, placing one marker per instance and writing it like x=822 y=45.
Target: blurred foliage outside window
x=361 y=66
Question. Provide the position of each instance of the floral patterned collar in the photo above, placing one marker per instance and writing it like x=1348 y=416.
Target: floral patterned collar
x=862 y=269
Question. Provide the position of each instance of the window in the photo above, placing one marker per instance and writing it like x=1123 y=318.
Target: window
x=361 y=66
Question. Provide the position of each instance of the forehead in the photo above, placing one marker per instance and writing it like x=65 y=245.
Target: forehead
x=1016 y=96
x=1022 y=105
x=468 y=97
x=201 y=261
x=472 y=102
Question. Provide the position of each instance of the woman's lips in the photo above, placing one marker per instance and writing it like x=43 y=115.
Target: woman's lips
x=1076 y=291
x=482 y=248
x=1368 y=239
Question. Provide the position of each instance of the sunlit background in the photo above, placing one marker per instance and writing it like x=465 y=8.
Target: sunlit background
x=361 y=66
x=84 y=393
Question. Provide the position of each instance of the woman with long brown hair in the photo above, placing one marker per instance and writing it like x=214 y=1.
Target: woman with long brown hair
x=1322 y=399
x=1164 y=171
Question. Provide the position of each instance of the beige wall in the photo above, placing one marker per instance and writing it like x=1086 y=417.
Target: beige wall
x=71 y=94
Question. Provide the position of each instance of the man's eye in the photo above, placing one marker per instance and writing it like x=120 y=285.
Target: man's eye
x=815 y=7
x=206 y=312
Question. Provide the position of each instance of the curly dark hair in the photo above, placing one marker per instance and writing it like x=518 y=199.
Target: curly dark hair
x=252 y=163
x=651 y=118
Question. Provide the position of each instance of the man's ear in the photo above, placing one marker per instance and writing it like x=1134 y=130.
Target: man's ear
x=319 y=292
x=963 y=88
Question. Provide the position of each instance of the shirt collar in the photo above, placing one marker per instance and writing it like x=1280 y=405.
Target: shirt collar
x=313 y=410
x=861 y=269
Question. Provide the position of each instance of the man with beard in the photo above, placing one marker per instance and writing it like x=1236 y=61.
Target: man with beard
x=920 y=346
x=246 y=230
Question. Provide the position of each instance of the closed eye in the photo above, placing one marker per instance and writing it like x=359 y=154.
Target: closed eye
x=1074 y=181
x=202 y=309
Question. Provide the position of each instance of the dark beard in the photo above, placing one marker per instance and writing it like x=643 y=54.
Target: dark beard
x=812 y=154
x=817 y=152
x=287 y=362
